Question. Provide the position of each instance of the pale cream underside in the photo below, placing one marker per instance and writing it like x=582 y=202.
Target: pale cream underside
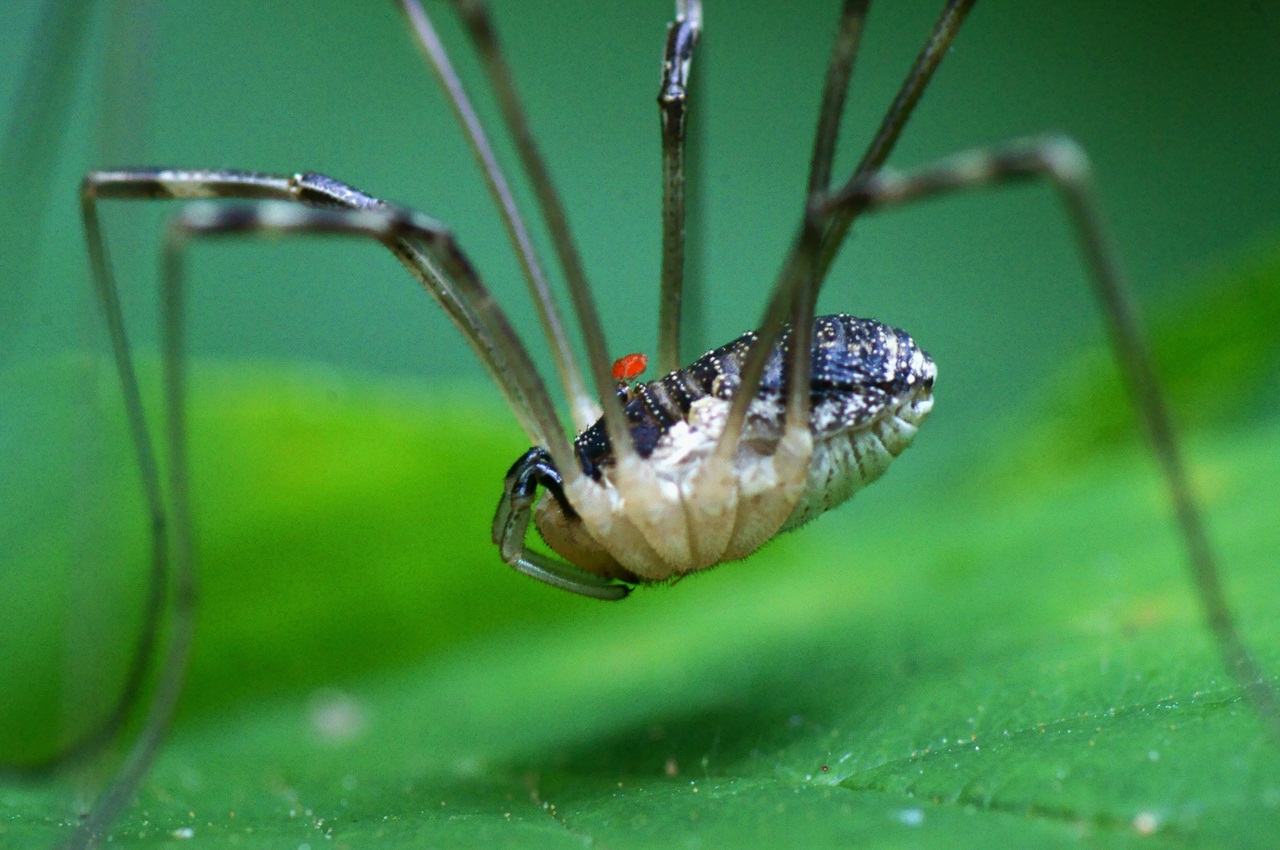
x=679 y=511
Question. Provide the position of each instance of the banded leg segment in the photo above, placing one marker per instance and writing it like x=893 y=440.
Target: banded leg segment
x=1062 y=162
x=387 y=224
x=443 y=270
x=319 y=191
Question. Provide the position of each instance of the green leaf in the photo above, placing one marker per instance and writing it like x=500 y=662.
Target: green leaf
x=973 y=668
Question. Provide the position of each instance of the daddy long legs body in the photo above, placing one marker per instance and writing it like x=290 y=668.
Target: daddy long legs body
x=322 y=210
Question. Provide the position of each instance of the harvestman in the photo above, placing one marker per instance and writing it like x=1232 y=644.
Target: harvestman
x=668 y=477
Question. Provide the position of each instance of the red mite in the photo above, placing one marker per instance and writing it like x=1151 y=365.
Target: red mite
x=629 y=366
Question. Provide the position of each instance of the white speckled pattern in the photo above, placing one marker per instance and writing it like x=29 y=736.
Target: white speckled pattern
x=846 y=461
x=677 y=511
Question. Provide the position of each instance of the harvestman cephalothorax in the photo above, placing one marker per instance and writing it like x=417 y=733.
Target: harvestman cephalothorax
x=664 y=478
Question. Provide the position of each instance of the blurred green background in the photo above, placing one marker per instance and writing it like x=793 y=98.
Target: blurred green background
x=1177 y=110
x=347 y=449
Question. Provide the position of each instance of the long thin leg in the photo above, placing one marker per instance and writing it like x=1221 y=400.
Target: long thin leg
x=1061 y=161
x=583 y=407
x=844 y=52
x=494 y=337
x=479 y=25
x=313 y=189
x=891 y=126
x=798 y=270
x=835 y=224
x=182 y=626
x=510 y=369
x=664 y=524
x=387 y=225
x=157 y=518
x=677 y=64
x=792 y=300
